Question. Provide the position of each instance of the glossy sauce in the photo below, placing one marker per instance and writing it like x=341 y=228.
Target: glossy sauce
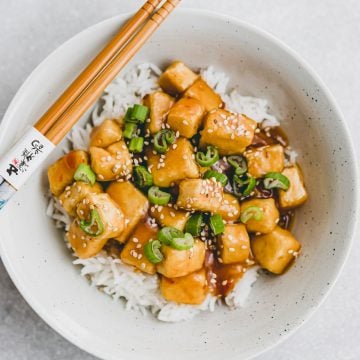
x=270 y=136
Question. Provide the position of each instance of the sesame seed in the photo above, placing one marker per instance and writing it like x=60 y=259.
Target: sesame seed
x=244 y=247
x=135 y=240
x=231 y=249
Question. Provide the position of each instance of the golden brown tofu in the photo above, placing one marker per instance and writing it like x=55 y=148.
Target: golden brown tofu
x=275 y=251
x=61 y=173
x=178 y=263
x=73 y=194
x=111 y=163
x=177 y=78
x=190 y=289
x=234 y=244
x=230 y=208
x=106 y=134
x=265 y=159
x=200 y=194
x=179 y=163
x=230 y=133
x=132 y=203
x=133 y=251
x=269 y=215
x=296 y=195
x=112 y=224
x=201 y=91
x=186 y=116
x=159 y=104
x=168 y=216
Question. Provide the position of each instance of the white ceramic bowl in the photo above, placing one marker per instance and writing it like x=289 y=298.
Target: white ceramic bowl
x=40 y=265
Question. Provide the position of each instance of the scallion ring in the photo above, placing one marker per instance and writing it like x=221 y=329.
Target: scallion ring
x=208 y=158
x=167 y=233
x=152 y=251
x=136 y=144
x=243 y=186
x=252 y=212
x=129 y=130
x=220 y=177
x=158 y=197
x=193 y=225
x=238 y=162
x=136 y=114
x=182 y=243
x=217 y=224
x=84 y=173
x=142 y=177
x=94 y=227
x=163 y=139
x=276 y=180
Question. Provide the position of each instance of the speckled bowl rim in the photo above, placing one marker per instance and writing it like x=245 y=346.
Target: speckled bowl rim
x=272 y=39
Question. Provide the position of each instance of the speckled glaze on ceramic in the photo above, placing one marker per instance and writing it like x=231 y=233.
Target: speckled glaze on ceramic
x=259 y=65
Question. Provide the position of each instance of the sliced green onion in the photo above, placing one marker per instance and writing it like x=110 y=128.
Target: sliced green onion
x=128 y=117
x=167 y=233
x=85 y=174
x=163 y=139
x=142 y=177
x=182 y=243
x=140 y=113
x=221 y=178
x=243 y=186
x=136 y=144
x=252 y=212
x=217 y=224
x=158 y=197
x=152 y=251
x=239 y=163
x=95 y=226
x=193 y=225
x=129 y=130
x=209 y=158
x=276 y=180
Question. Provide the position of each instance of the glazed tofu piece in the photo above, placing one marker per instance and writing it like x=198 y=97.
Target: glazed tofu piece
x=177 y=78
x=103 y=220
x=230 y=208
x=186 y=116
x=75 y=193
x=132 y=203
x=234 y=244
x=61 y=173
x=265 y=159
x=296 y=195
x=159 y=104
x=269 y=216
x=275 y=251
x=190 y=289
x=201 y=91
x=204 y=195
x=168 y=216
x=133 y=251
x=178 y=164
x=230 y=133
x=179 y=263
x=111 y=163
x=109 y=132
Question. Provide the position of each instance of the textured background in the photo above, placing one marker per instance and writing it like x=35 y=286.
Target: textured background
x=325 y=32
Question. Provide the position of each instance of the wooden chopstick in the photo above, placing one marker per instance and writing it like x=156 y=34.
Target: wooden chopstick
x=92 y=92
x=97 y=65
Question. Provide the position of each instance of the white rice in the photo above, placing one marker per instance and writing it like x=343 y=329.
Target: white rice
x=140 y=291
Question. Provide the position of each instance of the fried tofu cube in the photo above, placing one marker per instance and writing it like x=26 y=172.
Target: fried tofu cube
x=159 y=104
x=201 y=91
x=61 y=173
x=168 y=216
x=112 y=223
x=177 y=78
x=201 y=195
x=296 y=195
x=179 y=163
x=230 y=133
x=265 y=159
x=230 y=208
x=269 y=215
x=109 y=132
x=275 y=251
x=73 y=194
x=186 y=116
x=179 y=263
x=111 y=163
x=190 y=289
x=234 y=244
x=132 y=203
x=133 y=251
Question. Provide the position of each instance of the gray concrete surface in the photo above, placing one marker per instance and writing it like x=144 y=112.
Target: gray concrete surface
x=325 y=32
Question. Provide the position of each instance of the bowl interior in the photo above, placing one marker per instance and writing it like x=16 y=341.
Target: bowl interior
x=40 y=265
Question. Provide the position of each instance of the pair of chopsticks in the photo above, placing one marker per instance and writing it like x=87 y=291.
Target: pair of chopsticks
x=89 y=85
